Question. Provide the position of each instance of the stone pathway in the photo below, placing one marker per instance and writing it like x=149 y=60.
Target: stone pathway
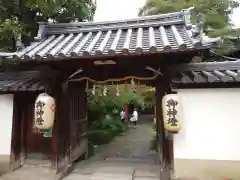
x=133 y=144
x=109 y=170
x=128 y=157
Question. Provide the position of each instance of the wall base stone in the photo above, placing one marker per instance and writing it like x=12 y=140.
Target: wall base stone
x=195 y=169
x=4 y=164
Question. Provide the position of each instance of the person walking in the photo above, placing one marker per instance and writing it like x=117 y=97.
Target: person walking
x=134 y=117
x=122 y=115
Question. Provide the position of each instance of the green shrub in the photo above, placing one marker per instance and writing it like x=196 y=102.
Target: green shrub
x=113 y=124
x=104 y=131
x=100 y=137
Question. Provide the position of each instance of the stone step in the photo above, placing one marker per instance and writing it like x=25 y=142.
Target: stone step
x=128 y=172
x=89 y=167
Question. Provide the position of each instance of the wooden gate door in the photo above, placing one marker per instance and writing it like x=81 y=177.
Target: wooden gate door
x=78 y=120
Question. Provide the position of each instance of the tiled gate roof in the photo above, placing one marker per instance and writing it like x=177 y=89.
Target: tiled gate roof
x=21 y=81
x=28 y=84
x=207 y=72
x=153 y=34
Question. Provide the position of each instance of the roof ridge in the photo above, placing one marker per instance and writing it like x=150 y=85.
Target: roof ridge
x=96 y=23
x=182 y=17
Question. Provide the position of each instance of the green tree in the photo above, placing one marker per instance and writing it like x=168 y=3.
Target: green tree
x=21 y=17
x=215 y=12
x=149 y=98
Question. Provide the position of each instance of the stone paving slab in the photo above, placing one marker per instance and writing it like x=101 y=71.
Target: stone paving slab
x=117 y=167
x=133 y=159
x=112 y=178
x=86 y=170
x=103 y=176
x=146 y=173
x=77 y=176
x=116 y=170
x=146 y=178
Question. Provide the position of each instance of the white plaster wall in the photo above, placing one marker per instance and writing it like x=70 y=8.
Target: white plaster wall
x=6 y=119
x=211 y=125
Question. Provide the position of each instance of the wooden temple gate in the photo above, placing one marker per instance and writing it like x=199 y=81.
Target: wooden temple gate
x=143 y=47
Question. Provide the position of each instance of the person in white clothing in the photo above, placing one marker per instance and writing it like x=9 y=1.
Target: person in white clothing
x=134 y=117
x=122 y=115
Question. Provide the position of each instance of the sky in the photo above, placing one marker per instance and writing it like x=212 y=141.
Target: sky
x=117 y=9
x=235 y=17
x=108 y=10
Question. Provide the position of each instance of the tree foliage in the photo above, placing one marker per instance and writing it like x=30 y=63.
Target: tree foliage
x=230 y=45
x=215 y=16
x=215 y=12
x=149 y=98
x=21 y=17
x=111 y=104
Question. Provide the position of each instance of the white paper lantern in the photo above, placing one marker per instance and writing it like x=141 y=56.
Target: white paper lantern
x=44 y=112
x=172 y=112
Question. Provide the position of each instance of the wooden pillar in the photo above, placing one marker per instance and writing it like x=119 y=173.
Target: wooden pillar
x=170 y=138
x=15 y=160
x=163 y=144
x=63 y=127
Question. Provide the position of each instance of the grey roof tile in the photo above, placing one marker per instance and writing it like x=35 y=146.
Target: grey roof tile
x=152 y=34
x=210 y=72
x=23 y=80
x=28 y=84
